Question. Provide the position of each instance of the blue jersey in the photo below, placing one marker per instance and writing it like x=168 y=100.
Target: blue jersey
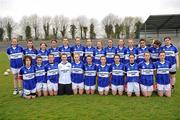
x=15 y=56
x=52 y=72
x=162 y=75
x=103 y=75
x=132 y=71
x=118 y=74
x=146 y=73
x=141 y=52
x=80 y=50
x=89 y=51
x=28 y=77
x=32 y=53
x=155 y=53
x=55 y=52
x=98 y=54
x=110 y=52
x=67 y=51
x=130 y=51
x=90 y=74
x=44 y=55
x=77 y=74
x=40 y=73
x=121 y=51
x=171 y=52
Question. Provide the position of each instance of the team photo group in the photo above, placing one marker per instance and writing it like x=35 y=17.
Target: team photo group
x=54 y=69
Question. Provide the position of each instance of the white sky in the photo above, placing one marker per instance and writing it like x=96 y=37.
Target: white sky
x=90 y=8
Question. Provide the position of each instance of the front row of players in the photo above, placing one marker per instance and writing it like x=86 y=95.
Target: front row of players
x=68 y=78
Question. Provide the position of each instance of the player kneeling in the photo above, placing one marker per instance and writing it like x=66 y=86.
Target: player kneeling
x=117 y=83
x=41 y=85
x=147 y=75
x=52 y=75
x=103 y=71
x=162 y=75
x=77 y=75
x=90 y=76
x=27 y=75
x=132 y=77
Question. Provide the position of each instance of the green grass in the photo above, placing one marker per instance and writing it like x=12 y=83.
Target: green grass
x=85 y=107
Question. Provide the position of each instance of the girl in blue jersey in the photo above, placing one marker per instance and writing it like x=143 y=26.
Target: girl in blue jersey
x=155 y=50
x=117 y=82
x=78 y=48
x=90 y=75
x=66 y=49
x=130 y=50
x=171 y=56
x=27 y=75
x=132 y=77
x=141 y=50
x=15 y=55
x=77 y=75
x=110 y=52
x=103 y=73
x=54 y=50
x=162 y=75
x=41 y=85
x=99 y=51
x=43 y=53
x=52 y=75
x=120 y=50
x=89 y=50
x=146 y=75
x=31 y=51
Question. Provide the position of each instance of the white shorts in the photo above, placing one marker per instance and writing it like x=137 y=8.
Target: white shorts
x=90 y=87
x=146 y=88
x=101 y=89
x=164 y=87
x=15 y=70
x=41 y=86
x=77 y=85
x=52 y=86
x=133 y=87
x=27 y=92
x=117 y=87
x=173 y=68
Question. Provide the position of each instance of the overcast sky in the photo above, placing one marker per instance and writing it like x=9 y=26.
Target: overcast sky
x=90 y=8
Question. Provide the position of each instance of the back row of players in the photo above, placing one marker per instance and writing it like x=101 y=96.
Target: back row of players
x=110 y=54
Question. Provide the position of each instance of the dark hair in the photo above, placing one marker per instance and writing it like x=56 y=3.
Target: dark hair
x=167 y=37
x=116 y=55
x=131 y=54
x=43 y=43
x=63 y=54
x=51 y=54
x=102 y=56
x=146 y=52
x=142 y=39
x=88 y=56
x=162 y=52
x=157 y=42
x=54 y=40
x=30 y=40
x=37 y=57
x=27 y=57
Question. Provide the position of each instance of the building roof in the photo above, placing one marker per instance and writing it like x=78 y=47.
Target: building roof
x=157 y=22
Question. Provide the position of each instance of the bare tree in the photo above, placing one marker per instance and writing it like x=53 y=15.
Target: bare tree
x=9 y=25
x=63 y=25
x=82 y=22
x=25 y=21
x=35 y=23
x=55 y=25
x=46 y=26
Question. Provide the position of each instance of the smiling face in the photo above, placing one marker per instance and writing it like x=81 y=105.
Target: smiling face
x=89 y=60
x=162 y=56
x=121 y=43
x=27 y=62
x=116 y=59
x=103 y=60
x=99 y=45
x=65 y=42
x=147 y=56
x=76 y=58
x=167 y=41
x=14 y=42
x=30 y=44
x=53 y=44
x=78 y=41
x=43 y=46
x=88 y=43
x=39 y=61
x=110 y=43
x=51 y=58
x=131 y=58
x=64 y=58
x=130 y=43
